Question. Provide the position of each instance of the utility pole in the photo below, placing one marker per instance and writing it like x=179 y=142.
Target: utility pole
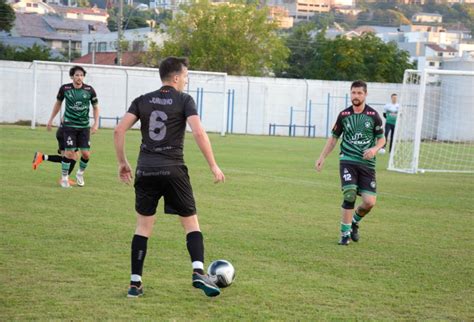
x=120 y=33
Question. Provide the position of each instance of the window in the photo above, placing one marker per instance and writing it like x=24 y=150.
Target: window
x=440 y=54
x=102 y=46
x=432 y=63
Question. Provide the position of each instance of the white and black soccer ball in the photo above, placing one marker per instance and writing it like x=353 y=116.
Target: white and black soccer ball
x=221 y=272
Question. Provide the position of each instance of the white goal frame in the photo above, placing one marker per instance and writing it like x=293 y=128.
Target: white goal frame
x=128 y=77
x=418 y=88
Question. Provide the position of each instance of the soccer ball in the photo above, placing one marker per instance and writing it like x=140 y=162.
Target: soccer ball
x=221 y=272
x=382 y=151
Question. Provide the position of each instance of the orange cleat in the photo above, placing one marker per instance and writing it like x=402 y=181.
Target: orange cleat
x=37 y=159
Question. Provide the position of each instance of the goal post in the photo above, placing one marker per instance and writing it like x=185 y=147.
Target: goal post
x=435 y=123
x=117 y=86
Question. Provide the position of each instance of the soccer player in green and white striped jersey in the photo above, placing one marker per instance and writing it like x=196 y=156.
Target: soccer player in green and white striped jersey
x=362 y=136
x=78 y=97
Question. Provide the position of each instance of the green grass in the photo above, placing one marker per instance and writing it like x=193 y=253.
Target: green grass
x=64 y=254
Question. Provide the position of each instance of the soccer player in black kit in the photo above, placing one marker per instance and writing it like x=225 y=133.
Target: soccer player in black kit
x=161 y=171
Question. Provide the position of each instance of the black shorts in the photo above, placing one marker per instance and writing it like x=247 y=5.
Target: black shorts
x=358 y=175
x=76 y=138
x=60 y=138
x=170 y=182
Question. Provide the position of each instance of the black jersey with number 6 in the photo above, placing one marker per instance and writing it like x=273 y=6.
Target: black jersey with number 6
x=162 y=115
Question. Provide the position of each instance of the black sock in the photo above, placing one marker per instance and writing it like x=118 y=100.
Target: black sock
x=54 y=158
x=195 y=245
x=71 y=167
x=139 y=246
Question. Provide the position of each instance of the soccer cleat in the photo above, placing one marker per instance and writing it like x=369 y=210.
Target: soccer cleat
x=355 y=232
x=135 y=291
x=345 y=240
x=204 y=283
x=80 y=179
x=37 y=159
x=65 y=183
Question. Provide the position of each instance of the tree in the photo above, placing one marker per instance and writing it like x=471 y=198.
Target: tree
x=7 y=16
x=35 y=52
x=235 y=38
x=366 y=57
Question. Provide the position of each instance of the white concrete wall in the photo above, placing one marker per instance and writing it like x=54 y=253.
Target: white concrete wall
x=257 y=101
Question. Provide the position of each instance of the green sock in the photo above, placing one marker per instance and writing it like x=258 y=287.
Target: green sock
x=345 y=229
x=356 y=218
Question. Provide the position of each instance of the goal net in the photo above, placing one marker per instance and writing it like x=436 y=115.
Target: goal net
x=435 y=123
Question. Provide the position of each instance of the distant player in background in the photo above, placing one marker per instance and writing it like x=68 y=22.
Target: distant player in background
x=362 y=136
x=39 y=157
x=161 y=171
x=390 y=113
x=76 y=129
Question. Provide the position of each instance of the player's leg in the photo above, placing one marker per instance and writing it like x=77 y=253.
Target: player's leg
x=61 y=150
x=368 y=190
x=392 y=131
x=70 y=144
x=146 y=201
x=349 y=179
x=39 y=157
x=84 y=146
x=179 y=199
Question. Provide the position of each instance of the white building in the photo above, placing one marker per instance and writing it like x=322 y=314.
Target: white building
x=138 y=40
x=427 y=17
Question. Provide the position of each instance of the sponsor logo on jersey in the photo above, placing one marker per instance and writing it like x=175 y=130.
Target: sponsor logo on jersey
x=370 y=113
x=346 y=113
x=161 y=101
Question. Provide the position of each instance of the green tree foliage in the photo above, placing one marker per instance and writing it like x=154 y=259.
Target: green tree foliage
x=132 y=18
x=83 y=3
x=35 y=52
x=366 y=57
x=7 y=16
x=236 y=38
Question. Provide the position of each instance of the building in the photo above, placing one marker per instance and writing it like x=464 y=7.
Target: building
x=423 y=17
x=281 y=16
x=301 y=10
x=128 y=59
x=89 y=14
x=32 y=6
x=62 y=34
x=137 y=39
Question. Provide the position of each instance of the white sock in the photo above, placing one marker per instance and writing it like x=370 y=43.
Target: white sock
x=135 y=278
x=198 y=265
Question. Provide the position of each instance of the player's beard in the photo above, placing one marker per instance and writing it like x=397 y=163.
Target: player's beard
x=357 y=102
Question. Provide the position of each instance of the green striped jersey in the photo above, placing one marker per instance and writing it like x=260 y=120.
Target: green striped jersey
x=77 y=104
x=359 y=131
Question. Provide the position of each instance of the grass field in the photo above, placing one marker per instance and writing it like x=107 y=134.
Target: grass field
x=65 y=253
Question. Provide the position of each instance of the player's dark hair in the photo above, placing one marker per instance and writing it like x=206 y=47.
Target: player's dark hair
x=73 y=70
x=394 y=94
x=359 y=83
x=172 y=65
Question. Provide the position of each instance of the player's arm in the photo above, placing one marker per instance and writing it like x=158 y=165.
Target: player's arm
x=56 y=109
x=370 y=153
x=95 y=113
x=330 y=144
x=202 y=140
x=125 y=171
